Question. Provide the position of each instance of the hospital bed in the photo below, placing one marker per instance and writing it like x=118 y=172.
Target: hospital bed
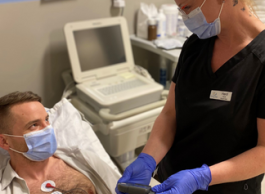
x=72 y=132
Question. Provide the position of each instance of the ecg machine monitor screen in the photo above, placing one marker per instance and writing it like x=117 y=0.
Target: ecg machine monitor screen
x=99 y=47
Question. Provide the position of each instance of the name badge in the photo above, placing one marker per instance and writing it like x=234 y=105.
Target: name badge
x=221 y=95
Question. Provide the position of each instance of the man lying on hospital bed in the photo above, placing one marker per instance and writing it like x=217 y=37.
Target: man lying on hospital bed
x=54 y=145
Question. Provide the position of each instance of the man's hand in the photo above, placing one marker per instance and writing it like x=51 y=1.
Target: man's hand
x=139 y=172
x=186 y=181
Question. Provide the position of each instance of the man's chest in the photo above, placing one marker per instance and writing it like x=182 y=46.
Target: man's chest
x=67 y=180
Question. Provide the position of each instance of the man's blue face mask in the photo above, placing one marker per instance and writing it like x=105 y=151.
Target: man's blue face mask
x=197 y=24
x=41 y=144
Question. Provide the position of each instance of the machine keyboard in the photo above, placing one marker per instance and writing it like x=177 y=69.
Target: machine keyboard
x=121 y=87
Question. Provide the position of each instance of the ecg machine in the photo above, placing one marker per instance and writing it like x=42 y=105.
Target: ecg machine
x=121 y=104
x=103 y=66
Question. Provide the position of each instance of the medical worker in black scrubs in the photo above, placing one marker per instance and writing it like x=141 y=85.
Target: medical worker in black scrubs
x=211 y=132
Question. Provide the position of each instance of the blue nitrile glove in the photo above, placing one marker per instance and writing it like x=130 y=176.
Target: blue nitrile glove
x=186 y=181
x=140 y=171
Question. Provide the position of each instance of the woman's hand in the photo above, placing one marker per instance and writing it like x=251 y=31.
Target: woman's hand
x=139 y=172
x=186 y=181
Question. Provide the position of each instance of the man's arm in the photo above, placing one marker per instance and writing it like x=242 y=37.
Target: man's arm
x=244 y=166
x=164 y=129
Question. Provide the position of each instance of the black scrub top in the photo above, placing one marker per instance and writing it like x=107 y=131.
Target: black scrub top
x=208 y=130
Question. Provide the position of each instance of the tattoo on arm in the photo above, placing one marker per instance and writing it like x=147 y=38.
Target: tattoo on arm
x=235 y=2
x=243 y=9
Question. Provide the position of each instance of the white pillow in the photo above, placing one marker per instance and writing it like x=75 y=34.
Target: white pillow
x=71 y=133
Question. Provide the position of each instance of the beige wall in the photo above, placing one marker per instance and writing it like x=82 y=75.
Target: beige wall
x=33 y=52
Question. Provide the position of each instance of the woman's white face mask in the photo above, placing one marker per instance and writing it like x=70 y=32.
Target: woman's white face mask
x=197 y=24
